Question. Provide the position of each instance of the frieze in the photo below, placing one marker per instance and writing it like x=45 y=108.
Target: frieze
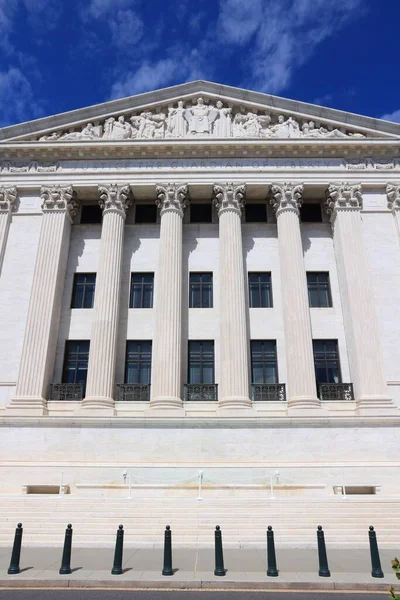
x=28 y=167
x=200 y=119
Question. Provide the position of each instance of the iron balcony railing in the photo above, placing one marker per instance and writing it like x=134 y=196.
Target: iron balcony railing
x=268 y=392
x=66 y=391
x=335 y=391
x=201 y=392
x=133 y=392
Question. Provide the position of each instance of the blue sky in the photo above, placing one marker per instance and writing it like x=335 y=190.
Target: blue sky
x=58 y=55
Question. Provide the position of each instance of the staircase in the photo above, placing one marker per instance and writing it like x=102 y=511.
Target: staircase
x=243 y=520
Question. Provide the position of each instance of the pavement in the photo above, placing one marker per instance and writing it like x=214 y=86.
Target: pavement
x=194 y=569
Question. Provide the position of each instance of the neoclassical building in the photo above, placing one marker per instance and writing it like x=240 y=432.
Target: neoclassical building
x=200 y=277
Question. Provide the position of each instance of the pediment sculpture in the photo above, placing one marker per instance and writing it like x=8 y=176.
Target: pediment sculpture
x=200 y=120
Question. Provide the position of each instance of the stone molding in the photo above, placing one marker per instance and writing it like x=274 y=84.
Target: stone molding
x=393 y=196
x=286 y=197
x=229 y=197
x=172 y=197
x=343 y=196
x=59 y=198
x=115 y=197
x=8 y=199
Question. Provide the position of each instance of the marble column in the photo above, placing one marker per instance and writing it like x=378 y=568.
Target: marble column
x=114 y=201
x=8 y=197
x=41 y=331
x=166 y=382
x=234 y=386
x=286 y=199
x=393 y=196
x=344 y=204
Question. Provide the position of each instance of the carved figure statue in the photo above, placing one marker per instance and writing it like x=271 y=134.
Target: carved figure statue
x=222 y=120
x=151 y=126
x=117 y=130
x=52 y=137
x=177 y=125
x=198 y=118
x=89 y=132
x=286 y=129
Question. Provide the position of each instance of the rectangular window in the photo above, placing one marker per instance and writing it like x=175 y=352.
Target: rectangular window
x=141 y=290
x=311 y=213
x=76 y=359
x=264 y=362
x=200 y=290
x=200 y=213
x=138 y=362
x=201 y=362
x=260 y=290
x=326 y=361
x=91 y=213
x=319 y=294
x=255 y=213
x=83 y=290
x=146 y=213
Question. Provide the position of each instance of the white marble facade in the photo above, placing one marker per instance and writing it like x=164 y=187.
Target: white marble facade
x=199 y=143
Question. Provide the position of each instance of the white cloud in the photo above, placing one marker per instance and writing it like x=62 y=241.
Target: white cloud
x=99 y=8
x=17 y=101
x=394 y=116
x=286 y=34
x=126 y=28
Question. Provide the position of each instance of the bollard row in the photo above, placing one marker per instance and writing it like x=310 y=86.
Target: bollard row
x=219 y=571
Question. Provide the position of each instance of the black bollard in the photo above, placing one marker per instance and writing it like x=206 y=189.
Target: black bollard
x=119 y=547
x=16 y=552
x=375 y=559
x=323 y=559
x=272 y=571
x=219 y=555
x=65 y=568
x=167 y=566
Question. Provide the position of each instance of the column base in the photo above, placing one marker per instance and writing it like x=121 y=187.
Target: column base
x=305 y=405
x=97 y=406
x=234 y=403
x=376 y=406
x=27 y=406
x=166 y=405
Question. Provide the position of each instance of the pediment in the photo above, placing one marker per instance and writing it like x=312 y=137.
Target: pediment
x=200 y=110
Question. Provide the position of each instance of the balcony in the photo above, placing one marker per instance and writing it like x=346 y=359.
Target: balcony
x=201 y=392
x=133 y=392
x=268 y=392
x=335 y=391
x=66 y=392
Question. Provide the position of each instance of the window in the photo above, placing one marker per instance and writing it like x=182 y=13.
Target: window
x=138 y=362
x=319 y=294
x=91 y=213
x=76 y=359
x=326 y=361
x=200 y=213
x=311 y=213
x=260 y=290
x=83 y=290
x=141 y=290
x=201 y=362
x=146 y=213
x=264 y=364
x=255 y=213
x=200 y=290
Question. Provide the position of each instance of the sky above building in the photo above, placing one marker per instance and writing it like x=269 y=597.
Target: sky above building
x=58 y=55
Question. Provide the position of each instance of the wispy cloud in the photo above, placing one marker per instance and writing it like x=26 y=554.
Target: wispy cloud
x=17 y=101
x=393 y=116
x=124 y=21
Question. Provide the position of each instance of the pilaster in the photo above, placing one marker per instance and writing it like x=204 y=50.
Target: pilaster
x=115 y=201
x=393 y=197
x=166 y=380
x=229 y=199
x=41 y=331
x=286 y=199
x=8 y=198
x=343 y=204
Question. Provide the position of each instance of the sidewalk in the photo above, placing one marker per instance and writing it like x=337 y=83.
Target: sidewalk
x=298 y=569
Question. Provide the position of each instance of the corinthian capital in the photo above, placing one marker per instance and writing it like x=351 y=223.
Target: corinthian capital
x=114 y=197
x=343 y=196
x=393 y=196
x=172 y=197
x=286 y=197
x=58 y=198
x=229 y=197
x=8 y=198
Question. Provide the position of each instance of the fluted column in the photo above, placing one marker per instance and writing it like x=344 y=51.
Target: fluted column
x=393 y=196
x=166 y=383
x=344 y=204
x=234 y=371
x=8 y=197
x=114 y=201
x=286 y=199
x=41 y=331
